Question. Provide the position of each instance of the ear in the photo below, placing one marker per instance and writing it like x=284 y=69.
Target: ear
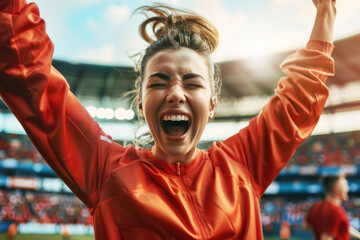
x=140 y=107
x=213 y=102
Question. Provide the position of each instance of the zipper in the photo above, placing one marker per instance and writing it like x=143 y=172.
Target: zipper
x=192 y=204
x=178 y=169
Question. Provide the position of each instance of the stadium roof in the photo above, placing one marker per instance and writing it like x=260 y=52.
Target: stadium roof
x=245 y=82
x=259 y=76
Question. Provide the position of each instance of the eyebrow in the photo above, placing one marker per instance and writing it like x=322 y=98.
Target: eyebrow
x=192 y=75
x=167 y=77
x=160 y=75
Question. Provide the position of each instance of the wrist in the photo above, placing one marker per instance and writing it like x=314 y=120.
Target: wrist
x=328 y=10
x=324 y=23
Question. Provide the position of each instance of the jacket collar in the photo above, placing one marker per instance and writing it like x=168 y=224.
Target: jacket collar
x=172 y=168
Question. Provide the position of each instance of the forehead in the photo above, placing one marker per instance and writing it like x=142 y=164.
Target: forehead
x=342 y=180
x=179 y=61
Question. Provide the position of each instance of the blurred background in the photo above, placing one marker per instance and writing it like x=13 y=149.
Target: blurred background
x=93 y=41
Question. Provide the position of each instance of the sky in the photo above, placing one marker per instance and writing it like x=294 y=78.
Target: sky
x=106 y=31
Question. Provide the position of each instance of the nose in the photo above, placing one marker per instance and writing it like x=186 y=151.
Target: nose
x=176 y=94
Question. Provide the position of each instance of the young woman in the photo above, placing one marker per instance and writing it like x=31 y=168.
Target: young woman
x=172 y=190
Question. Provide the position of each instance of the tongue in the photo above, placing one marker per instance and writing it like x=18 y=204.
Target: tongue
x=175 y=128
x=175 y=131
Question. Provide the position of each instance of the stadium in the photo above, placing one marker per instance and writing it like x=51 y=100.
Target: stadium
x=36 y=204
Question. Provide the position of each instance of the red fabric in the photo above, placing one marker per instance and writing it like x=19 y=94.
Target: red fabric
x=325 y=217
x=130 y=193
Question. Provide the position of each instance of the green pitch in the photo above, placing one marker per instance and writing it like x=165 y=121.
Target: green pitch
x=77 y=237
x=46 y=237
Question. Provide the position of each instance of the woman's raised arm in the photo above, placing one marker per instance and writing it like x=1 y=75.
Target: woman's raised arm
x=39 y=96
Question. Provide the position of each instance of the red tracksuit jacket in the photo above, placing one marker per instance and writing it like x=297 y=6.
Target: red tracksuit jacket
x=130 y=193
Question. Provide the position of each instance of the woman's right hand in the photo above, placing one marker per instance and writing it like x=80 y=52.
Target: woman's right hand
x=327 y=5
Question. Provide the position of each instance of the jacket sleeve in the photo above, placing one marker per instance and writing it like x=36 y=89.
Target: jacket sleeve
x=39 y=96
x=266 y=145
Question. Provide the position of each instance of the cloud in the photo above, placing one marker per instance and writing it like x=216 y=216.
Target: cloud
x=230 y=25
x=284 y=3
x=88 y=2
x=56 y=20
x=104 y=54
x=92 y=24
x=174 y=2
x=117 y=14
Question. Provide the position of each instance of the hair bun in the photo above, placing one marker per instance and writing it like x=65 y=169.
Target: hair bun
x=165 y=20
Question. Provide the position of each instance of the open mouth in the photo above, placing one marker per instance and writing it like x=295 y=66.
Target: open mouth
x=175 y=125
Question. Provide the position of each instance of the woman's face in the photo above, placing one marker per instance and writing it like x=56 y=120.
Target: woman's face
x=176 y=102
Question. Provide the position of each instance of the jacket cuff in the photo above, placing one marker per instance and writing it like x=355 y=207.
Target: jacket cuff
x=322 y=46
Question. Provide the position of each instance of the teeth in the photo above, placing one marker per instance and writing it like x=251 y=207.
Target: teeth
x=176 y=118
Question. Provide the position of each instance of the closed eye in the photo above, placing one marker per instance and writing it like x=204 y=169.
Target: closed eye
x=193 y=85
x=193 y=80
x=154 y=85
x=158 y=80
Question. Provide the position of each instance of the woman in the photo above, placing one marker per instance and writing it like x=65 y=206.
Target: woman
x=172 y=190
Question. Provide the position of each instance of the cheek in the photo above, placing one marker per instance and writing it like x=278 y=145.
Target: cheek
x=147 y=106
x=151 y=101
x=202 y=104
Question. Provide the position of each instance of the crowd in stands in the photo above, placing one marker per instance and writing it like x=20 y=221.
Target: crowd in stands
x=26 y=206
x=19 y=147
x=321 y=150
x=329 y=150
